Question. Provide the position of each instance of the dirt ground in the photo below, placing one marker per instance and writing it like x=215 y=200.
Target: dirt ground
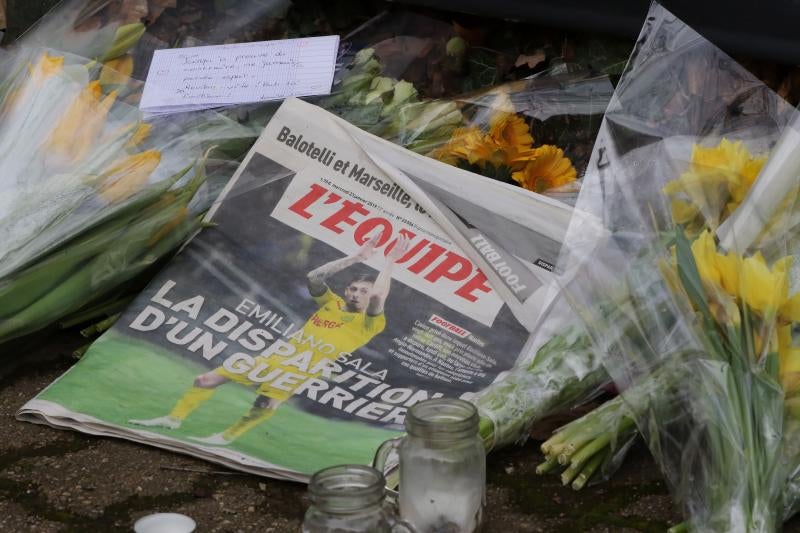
x=54 y=481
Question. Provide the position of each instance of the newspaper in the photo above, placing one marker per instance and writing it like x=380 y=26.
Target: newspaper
x=342 y=280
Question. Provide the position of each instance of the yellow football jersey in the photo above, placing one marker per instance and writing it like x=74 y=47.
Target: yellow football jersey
x=331 y=324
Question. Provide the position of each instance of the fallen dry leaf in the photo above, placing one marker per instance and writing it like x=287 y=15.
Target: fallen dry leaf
x=531 y=60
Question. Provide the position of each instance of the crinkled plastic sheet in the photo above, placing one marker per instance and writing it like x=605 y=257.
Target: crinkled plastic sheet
x=561 y=369
x=562 y=109
x=712 y=417
x=92 y=195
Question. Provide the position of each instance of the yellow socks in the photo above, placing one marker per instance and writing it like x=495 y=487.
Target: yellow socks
x=191 y=400
x=256 y=416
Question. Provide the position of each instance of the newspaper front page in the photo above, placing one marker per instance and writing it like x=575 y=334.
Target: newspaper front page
x=341 y=281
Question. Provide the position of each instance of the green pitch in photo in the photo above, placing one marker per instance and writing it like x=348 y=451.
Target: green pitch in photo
x=122 y=378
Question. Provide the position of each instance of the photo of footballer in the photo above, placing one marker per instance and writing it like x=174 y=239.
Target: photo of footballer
x=347 y=322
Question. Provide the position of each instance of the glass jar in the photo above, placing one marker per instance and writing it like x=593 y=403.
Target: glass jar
x=349 y=499
x=442 y=467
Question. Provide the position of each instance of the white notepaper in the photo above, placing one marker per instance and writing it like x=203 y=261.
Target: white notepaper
x=185 y=79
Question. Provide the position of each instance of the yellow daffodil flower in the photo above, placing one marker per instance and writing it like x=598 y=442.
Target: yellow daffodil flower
x=763 y=289
x=704 y=250
x=179 y=218
x=46 y=67
x=548 y=168
x=789 y=360
x=128 y=175
x=141 y=134
x=750 y=280
x=790 y=310
x=716 y=182
x=117 y=71
x=77 y=131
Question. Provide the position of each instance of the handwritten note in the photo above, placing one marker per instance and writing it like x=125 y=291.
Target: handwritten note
x=184 y=79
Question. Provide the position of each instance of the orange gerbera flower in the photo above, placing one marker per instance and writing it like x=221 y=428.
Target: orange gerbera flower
x=467 y=144
x=511 y=134
x=548 y=168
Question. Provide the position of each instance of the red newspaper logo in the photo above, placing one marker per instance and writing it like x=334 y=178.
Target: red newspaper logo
x=425 y=259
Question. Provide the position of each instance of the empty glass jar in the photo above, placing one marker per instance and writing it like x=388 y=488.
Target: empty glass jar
x=349 y=499
x=442 y=467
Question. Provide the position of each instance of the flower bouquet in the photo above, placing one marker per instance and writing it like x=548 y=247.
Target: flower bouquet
x=92 y=195
x=690 y=295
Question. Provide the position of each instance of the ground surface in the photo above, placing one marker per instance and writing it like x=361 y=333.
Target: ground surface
x=54 y=481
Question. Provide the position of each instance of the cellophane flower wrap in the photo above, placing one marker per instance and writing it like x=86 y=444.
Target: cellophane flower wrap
x=535 y=133
x=690 y=295
x=92 y=195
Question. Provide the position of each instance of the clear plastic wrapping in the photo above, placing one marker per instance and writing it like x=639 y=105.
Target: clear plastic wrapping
x=691 y=292
x=92 y=195
x=561 y=372
x=535 y=133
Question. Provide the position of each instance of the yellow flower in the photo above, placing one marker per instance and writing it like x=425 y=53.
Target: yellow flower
x=511 y=135
x=704 y=250
x=790 y=310
x=468 y=144
x=141 y=133
x=747 y=177
x=789 y=356
x=716 y=182
x=76 y=132
x=127 y=176
x=750 y=280
x=166 y=229
x=117 y=71
x=46 y=67
x=729 y=267
x=547 y=169
x=763 y=289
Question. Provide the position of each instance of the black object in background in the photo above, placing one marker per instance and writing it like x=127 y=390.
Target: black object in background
x=766 y=30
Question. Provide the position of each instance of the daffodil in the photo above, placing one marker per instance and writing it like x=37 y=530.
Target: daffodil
x=46 y=67
x=716 y=182
x=704 y=250
x=43 y=70
x=548 y=168
x=764 y=289
x=789 y=360
x=77 y=131
x=128 y=175
x=117 y=71
x=140 y=134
